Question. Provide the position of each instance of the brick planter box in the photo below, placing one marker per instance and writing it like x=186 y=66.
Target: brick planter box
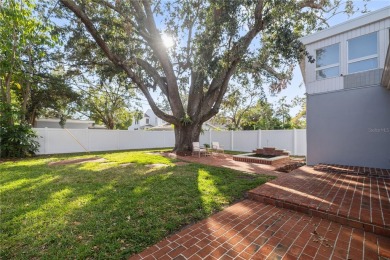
x=269 y=161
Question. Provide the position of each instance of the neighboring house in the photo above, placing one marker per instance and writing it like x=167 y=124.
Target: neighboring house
x=152 y=122
x=69 y=124
x=348 y=93
x=148 y=120
x=205 y=127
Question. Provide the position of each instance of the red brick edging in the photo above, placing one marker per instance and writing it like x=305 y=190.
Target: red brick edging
x=258 y=160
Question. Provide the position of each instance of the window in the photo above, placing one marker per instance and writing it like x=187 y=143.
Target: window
x=328 y=62
x=147 y=121
x=363 y=53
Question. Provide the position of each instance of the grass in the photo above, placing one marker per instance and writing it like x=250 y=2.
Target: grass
x=105 y=210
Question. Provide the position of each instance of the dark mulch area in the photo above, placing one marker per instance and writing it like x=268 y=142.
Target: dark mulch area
x=290 y=166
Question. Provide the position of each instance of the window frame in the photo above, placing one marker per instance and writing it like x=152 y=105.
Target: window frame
x=372 y=56
x=330 y=65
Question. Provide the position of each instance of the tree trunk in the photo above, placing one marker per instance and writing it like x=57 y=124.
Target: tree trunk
x=25 y=95
x=184 y=136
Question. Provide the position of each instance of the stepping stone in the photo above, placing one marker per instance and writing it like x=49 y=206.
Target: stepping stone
x=156 y=165
x=77 y=161
x=126 y=164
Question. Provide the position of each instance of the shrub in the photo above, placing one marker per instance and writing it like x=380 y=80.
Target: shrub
x=16 y=139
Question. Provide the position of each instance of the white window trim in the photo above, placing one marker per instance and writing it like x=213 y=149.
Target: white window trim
x=330 y=65
x=372 y=56
x=363 y=58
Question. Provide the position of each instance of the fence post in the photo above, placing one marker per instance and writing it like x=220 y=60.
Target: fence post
x=259 y=138
x=231 y=140
x=87 y=137
x=294 y=141
x=45 y=142
x=117 y=139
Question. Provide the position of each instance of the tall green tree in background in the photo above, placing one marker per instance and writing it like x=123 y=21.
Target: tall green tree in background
x=299 y=120
x=214 y=40
x=28 y=83
x=266 y=116
x=261 y=116
x=21 y=39
x=242 y=95
x=107 y=102
x=282 y=112
x=30 y=78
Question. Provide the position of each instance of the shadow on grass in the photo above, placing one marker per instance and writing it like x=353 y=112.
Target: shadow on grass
x=104 y=210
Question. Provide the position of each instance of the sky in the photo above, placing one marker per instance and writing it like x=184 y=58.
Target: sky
x=293 y=89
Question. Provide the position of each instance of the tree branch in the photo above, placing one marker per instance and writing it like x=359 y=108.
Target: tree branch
x=153 y=73
x=111 y=56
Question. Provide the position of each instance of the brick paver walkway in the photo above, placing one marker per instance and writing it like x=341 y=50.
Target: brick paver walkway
x=305 y=214
x=253 y=230
x=355 y=170
x=354 y=200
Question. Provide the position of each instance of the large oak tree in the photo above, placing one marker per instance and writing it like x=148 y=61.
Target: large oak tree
x=214 y=40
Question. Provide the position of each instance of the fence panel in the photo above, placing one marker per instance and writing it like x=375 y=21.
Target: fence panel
x=204 y=138
x=224 y=138
x=281 y=139
x=245 y=141
x=63 y=141
x=146 y=139
x=300 y=148
x=81 y=140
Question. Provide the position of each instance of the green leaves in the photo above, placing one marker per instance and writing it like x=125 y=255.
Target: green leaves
x=186 y=120
x=26 y=40
x=16 y=140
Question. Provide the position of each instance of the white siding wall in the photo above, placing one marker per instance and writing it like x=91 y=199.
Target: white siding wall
x=332 y=84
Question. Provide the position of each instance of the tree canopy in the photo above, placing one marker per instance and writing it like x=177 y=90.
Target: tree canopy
x=29 y=79
x=212 y=41
x=106 y=101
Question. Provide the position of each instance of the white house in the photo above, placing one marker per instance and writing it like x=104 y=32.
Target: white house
x=348 y=100
x=148 y=120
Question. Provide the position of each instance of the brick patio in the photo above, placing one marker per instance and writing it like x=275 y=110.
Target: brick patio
x=354 y=170
x=253 y=230
x=353 y=200
x=305 y=214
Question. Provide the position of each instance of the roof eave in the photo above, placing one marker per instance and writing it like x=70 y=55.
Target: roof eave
x=351 y=24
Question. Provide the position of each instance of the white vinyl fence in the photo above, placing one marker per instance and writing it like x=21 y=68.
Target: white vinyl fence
x=81 y=140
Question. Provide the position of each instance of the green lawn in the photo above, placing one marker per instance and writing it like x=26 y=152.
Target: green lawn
x=105 y=210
